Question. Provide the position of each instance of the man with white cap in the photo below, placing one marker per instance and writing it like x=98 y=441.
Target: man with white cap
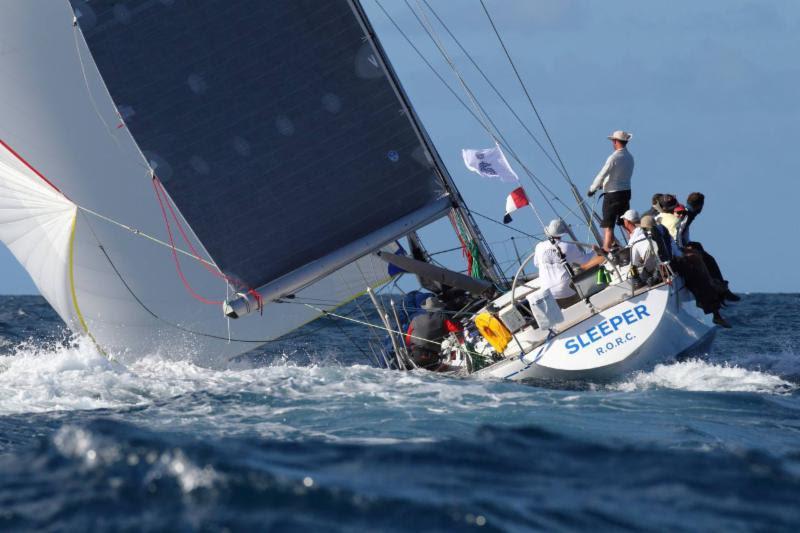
x=552 y=257
x=615 y=181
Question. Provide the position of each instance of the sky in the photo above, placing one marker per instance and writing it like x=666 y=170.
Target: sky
x=707 y=88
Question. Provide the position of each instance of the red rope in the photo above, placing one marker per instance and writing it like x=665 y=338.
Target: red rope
x=159 y=188
x=186 y=239
x=185 y=282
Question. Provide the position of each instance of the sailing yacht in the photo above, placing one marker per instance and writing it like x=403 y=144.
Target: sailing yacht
x=203 y=180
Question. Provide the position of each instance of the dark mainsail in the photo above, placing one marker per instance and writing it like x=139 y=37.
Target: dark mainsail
x=271 y=124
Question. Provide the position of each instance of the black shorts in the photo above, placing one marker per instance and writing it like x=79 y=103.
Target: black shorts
x=614 y=206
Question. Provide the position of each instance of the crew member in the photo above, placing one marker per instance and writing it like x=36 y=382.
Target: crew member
x=665 y=245
x=615 y=181
x=655 y=209
x=644 y=252
x=667 y=217
x=689 y=264
x=694 y=204
x=426 y=332
x=551 y=258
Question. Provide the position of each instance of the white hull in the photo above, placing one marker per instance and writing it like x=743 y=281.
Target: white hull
x=636 y=334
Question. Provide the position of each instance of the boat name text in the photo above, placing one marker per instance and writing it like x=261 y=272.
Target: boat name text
x=605 y=328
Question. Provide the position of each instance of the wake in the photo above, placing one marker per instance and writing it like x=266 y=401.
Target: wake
x=699 y=375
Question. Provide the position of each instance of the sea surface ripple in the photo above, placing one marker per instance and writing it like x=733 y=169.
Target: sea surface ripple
x=306 y=434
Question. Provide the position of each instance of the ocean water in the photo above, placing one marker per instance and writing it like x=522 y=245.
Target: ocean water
x=306 y=435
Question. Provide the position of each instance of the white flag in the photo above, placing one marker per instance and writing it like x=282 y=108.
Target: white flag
x=490 y=163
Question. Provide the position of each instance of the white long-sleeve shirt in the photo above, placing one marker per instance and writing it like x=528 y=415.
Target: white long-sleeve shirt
x=616 y=173
x=552 y=273
x=644 y=252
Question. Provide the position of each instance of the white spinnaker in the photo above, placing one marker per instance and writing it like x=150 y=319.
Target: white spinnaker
x=56 y=113
x=36 y=223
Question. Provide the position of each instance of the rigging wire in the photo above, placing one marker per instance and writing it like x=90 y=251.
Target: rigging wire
x=490 y=219
x=140 y=233
x=75 y=33
x=488 y=125
x=562 y=170
x=565 y=174
x=356 y=302
x=538 y=183
x=525 y=90
x=152 y=313
x=491 y=84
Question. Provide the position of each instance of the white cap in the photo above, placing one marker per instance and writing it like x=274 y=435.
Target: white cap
x=631 y=215
x=556 y=228
x=620 y=135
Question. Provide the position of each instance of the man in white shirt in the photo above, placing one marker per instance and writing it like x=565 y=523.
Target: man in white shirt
x=552 y=258
x=615 y=180
x=644 y=252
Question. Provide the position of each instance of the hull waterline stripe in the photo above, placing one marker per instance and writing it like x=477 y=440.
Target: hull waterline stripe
x=72 y=290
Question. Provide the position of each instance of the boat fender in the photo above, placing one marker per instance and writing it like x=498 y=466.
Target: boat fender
x=493 y=331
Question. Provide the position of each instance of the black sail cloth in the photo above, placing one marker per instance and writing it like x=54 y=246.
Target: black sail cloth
x=270 y=124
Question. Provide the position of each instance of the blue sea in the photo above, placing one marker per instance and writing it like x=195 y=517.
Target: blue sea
x=307 y=435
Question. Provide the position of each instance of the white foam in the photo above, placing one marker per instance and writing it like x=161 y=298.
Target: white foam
x=77 y=377
x=698 y=375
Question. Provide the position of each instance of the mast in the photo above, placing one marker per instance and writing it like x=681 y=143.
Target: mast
x=486 y=257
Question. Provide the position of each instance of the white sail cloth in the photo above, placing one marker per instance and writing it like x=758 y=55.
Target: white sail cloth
x=36 y=223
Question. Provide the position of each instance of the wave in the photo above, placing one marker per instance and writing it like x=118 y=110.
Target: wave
x=503 y=478
x=699 y=375
x=75 y=376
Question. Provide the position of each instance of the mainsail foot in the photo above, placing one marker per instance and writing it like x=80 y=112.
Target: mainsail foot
x=245 y=303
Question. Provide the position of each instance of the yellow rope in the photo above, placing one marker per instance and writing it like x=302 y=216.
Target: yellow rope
x=72 y=286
